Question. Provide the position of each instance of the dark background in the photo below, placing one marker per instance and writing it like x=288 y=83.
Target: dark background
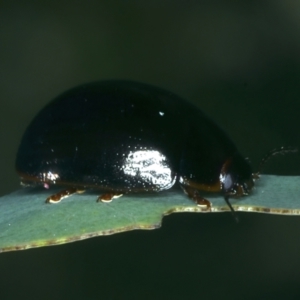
x=238 y=61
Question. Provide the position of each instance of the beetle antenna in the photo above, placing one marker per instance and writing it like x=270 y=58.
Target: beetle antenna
x=270 y=154
x=231 y=209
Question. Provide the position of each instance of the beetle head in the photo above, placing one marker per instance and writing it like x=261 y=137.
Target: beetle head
x=236 y=176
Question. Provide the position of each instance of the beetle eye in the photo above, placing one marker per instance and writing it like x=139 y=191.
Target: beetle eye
x=227 y=182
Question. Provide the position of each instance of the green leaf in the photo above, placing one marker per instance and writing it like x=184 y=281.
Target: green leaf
x=27 y=222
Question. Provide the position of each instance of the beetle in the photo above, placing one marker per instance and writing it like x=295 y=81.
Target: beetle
x=122 y=137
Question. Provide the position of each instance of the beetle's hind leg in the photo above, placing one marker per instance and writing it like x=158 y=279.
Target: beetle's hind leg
x=196 y=197
x=56 y=198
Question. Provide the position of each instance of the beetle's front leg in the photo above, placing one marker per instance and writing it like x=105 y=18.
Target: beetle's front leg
x=196 y=197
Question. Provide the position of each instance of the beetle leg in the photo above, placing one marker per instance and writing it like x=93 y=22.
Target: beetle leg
x=56 y=198
x=108 y=197
x=196 y=197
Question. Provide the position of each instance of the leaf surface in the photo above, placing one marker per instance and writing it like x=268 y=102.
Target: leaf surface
x=27 y=222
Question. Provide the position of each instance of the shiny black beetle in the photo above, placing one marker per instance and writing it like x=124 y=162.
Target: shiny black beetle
x=122 y=137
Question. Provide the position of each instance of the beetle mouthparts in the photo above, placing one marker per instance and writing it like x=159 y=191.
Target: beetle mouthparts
x=226 y=198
